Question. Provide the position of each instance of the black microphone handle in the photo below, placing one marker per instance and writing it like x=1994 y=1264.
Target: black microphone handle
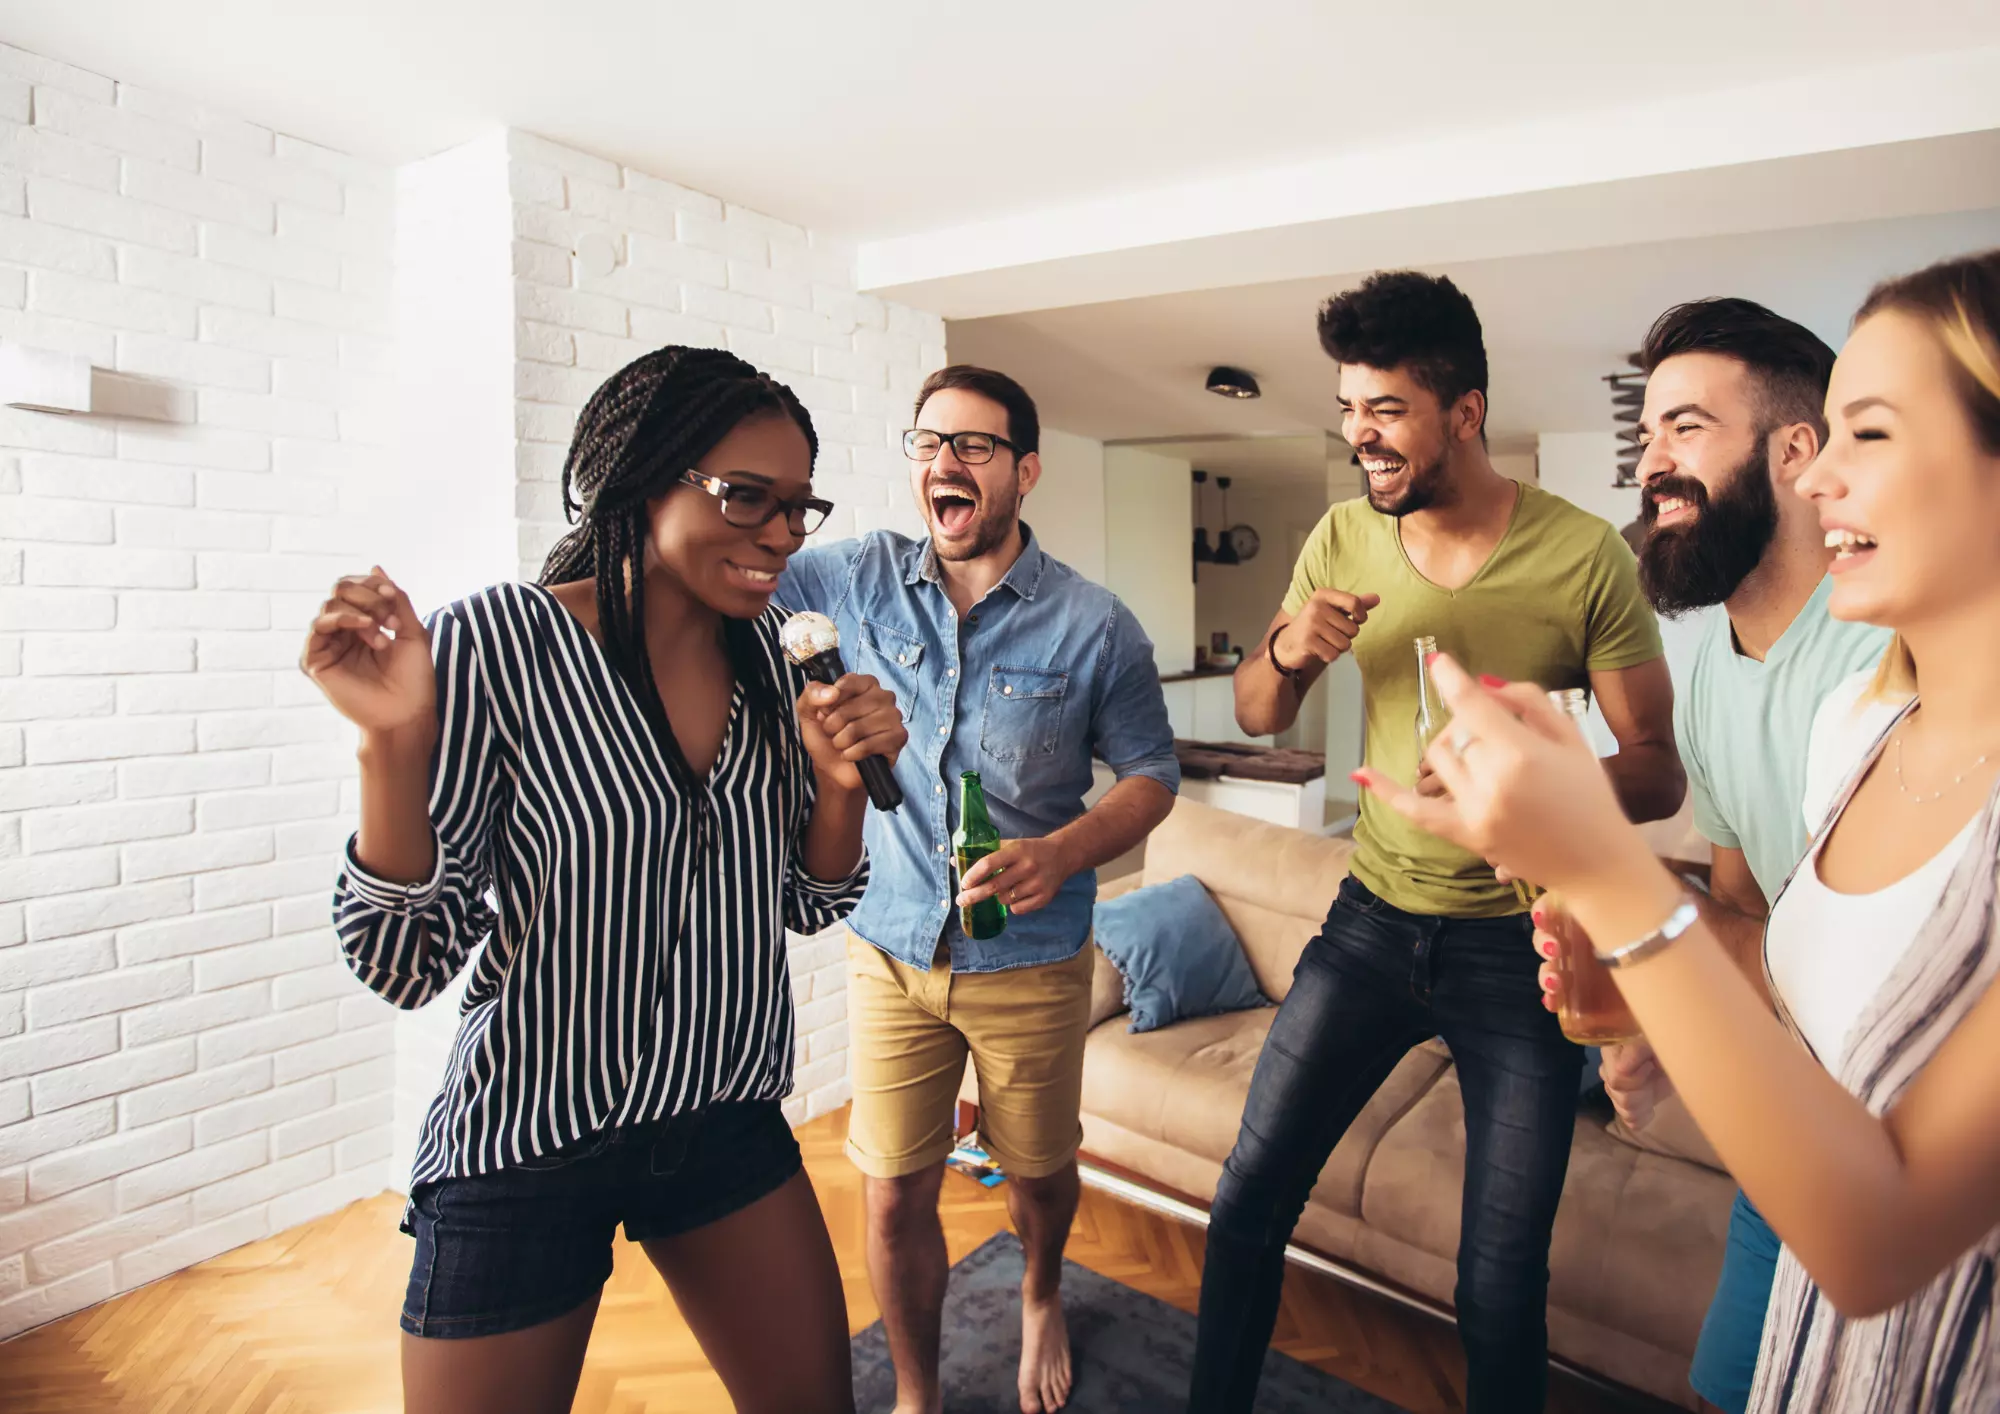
x=876 y=774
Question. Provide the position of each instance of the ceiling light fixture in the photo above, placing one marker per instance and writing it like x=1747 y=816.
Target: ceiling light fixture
x=1232 y=383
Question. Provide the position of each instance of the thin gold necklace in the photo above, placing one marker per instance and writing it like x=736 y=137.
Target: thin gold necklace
x=1956 y=781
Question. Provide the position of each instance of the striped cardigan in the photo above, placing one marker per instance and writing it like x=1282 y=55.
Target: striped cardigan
x=1938 y=1350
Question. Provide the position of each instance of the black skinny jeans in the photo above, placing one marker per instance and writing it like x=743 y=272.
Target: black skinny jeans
x=1374 y=983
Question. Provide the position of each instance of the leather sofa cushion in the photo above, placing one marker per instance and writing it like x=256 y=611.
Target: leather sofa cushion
x=1107 y=991
x=1672 y=1132
x=1638 y=1241
x=1184 y=1085
x=1273 y=884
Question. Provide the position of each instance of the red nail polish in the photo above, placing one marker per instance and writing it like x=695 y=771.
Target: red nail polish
x=1488 y=680
x=1430 y=658
x=1548 y=984
x=1360 y=778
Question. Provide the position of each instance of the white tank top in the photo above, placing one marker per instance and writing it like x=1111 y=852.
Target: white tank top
x=1830 y=953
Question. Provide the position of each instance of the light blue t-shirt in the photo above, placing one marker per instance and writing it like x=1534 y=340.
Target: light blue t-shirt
x=1744 y=726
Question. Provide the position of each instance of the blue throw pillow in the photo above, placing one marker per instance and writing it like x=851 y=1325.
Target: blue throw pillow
x=1177 y=953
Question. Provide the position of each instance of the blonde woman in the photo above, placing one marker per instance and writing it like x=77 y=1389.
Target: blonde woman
x=1864 y=1121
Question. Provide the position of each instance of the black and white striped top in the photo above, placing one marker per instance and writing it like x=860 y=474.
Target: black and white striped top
x=634 y=964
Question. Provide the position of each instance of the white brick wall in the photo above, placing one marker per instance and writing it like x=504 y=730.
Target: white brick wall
x=687 y=268
x=185 y=1063
x=164 y=848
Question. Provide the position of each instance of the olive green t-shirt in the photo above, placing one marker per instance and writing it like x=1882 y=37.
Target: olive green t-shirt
x=1558 y=599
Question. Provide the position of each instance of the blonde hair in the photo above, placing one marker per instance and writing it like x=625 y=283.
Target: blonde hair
x=1959 y=302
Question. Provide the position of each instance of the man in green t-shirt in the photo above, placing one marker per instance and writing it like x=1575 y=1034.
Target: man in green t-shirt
x=1422 y=940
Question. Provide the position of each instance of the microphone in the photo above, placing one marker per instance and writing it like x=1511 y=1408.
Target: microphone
x=813 y=644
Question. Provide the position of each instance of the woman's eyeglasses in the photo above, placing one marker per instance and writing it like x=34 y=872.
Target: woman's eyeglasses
x=748 y=506
x=972 y=448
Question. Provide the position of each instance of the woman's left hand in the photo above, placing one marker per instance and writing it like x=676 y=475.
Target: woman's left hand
x=853 y=718
x=1526 y=791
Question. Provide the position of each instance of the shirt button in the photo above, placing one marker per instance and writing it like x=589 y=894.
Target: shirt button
x=940 y=789
x=951 y=672
x=945 y=730
x=940 y=849
x=945 y=904
x=1007 y=691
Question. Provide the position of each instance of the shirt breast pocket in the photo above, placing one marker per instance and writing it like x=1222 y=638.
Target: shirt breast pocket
x=1024 y=712
x=894 y=657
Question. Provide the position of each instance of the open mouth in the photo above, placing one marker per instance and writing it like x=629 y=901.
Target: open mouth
x=1673 y=510
x=1849 y=547
x=1381 y=469
x=953 y=507
x=755 y=580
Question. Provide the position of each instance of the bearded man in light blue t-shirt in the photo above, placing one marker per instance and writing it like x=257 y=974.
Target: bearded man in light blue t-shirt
x=1734 y=413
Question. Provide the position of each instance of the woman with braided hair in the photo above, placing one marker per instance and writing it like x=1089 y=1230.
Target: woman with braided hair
x=597 y=791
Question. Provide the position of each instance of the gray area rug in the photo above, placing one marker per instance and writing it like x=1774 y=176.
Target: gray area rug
x=1132 y=1352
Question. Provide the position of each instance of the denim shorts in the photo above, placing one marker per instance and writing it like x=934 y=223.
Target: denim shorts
x=503 y=1251
x=1725 y=1358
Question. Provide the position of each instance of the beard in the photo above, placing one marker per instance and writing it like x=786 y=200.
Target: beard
x=1425 y=485
x=997 y=518
x=1704 y=562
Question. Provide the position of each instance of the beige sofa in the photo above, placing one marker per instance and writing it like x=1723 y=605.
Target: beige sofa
x=1640 y=1235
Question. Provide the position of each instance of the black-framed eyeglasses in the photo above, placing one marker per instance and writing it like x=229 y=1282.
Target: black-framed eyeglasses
x=920 y=444
x=747 y=506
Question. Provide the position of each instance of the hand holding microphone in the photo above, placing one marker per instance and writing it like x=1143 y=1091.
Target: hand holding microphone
x=850 y=722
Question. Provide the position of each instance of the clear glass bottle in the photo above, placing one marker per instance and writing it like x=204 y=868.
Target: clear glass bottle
x=1431 y=716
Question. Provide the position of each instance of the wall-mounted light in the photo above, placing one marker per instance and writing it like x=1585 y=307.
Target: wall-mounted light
x=49 y=380
x=1232 y=383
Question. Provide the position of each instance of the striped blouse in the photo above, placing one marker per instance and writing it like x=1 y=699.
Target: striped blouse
x=634 y=964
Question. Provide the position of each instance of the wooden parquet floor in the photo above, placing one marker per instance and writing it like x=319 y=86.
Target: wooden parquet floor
x=305 y=1323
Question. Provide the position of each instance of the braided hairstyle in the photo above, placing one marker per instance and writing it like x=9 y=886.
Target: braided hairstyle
x=650 y=421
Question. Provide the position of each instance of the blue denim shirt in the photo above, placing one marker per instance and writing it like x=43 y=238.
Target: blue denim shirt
x=1045 y=672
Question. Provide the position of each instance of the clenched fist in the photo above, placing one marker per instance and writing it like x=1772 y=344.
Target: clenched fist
x=853 y=718
x=1324 y=627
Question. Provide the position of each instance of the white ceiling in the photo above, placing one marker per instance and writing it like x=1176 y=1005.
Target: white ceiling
x=900 y=116
x=1554 y=324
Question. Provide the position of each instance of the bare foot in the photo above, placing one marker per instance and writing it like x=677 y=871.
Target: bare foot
x=1045 y=1373
x=918 y=1405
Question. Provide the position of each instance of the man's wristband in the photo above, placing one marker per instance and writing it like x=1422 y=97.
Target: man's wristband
x=1295 y=676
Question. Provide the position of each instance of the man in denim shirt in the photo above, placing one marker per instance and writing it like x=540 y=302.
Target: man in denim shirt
x=1008 y=663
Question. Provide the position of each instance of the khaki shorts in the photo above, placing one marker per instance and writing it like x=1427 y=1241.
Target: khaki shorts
x=911 y=1032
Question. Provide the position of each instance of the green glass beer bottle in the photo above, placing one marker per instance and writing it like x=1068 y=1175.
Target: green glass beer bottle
x=972 y=841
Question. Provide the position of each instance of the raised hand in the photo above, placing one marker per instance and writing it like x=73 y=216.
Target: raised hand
x=1324 y=627
x=847 y=720
x=370 y=654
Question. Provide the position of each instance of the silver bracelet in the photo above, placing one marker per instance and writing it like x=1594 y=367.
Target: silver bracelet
x=1678 y=922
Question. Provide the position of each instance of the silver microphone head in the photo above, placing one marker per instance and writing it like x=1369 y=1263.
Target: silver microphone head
x=806 y=636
